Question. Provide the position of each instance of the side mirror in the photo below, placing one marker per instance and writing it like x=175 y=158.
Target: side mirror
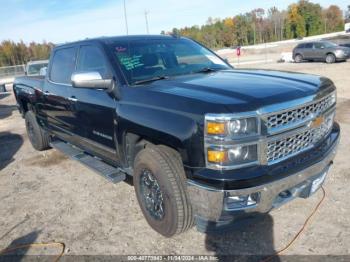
x=91 y=80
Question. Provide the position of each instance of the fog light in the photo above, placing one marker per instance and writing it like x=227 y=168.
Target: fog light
x=241 y=202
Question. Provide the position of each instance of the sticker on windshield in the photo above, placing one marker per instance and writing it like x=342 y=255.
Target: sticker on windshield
x=131 y=62
x=120 y=49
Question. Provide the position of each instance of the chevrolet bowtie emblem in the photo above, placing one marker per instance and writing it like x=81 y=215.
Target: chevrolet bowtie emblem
x=317 y=122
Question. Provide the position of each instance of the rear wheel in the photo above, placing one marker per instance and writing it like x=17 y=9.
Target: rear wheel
x=298 y=58
x=37 y=136
x=160 y=186
x=330 y=59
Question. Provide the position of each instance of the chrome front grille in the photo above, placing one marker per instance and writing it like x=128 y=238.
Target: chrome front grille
x=279 y=149
x=293 y=116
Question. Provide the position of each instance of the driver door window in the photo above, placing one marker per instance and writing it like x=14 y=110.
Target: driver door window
x=91 y=59
x=319 y=46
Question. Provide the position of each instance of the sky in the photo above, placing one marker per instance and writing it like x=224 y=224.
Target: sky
x=60 y=21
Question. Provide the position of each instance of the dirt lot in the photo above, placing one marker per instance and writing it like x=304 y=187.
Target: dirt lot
x=47 y=197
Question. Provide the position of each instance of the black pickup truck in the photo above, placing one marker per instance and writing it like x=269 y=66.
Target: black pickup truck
x=203 y=143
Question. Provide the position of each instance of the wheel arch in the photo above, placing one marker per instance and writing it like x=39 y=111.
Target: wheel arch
x=330 y=53
x=134 y=142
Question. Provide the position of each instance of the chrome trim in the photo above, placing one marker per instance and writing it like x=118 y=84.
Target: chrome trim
x=290 y=106
x=85 y=76
x=292 y=133
x=264 y=136
x=90 y=79
x=208 y=202
x=222 y=147
x=73 y=99
x=57 y=83
x=230 y=117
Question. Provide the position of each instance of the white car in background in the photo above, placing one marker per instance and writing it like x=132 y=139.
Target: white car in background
x=347 y=28
x=36 y=68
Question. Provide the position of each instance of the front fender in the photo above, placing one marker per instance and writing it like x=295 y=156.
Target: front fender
x=176 y=129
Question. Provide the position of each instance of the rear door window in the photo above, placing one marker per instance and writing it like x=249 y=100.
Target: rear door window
x=63 y=64
x=309 y=45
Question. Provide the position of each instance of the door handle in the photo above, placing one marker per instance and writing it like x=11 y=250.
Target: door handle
x=73 y=99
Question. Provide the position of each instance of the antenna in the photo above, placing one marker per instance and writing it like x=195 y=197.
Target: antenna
x=146 y=18
x=126 y=19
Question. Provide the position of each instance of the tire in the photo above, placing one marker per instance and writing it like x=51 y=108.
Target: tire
x=298 y=58
x=39 y=139
x=330 y=59
x=165 y=167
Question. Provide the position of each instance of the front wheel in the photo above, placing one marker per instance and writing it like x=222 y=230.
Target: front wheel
x=298 y=58
x=330 y=59
x=160 y=186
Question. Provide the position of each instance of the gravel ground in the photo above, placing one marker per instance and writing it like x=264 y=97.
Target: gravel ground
x=47 y=197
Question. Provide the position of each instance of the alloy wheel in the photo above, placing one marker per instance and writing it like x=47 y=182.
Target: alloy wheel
x=152 y=195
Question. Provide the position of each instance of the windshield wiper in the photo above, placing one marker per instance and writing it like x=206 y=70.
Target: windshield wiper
x=150 y=80
x=207 y=70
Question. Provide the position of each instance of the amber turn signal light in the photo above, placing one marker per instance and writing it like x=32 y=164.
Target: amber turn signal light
x=216 y=128
x=215 y=156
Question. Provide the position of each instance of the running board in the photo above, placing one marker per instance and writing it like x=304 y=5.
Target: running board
x=109 y=172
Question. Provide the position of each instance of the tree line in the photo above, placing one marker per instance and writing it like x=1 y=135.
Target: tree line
x=300 y=19
x=12 y=53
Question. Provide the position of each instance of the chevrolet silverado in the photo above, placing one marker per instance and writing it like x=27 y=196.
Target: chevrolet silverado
x=204 y=144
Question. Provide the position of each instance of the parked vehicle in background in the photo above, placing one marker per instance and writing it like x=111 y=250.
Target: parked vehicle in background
x=2 y=88
x=33 y=67
x=204 y=143
x=320 y=51
x=346 y=45
x=347 y=28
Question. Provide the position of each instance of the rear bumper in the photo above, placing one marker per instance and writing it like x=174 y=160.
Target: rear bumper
x=212 y=205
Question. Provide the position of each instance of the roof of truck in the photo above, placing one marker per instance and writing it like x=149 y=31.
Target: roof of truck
x=35 y=62
x=106 y=39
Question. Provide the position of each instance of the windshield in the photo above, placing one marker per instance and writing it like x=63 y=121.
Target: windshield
x=158 y=58
x=34 y=69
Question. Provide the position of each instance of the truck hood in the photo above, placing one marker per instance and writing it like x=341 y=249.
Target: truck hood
x=231 y=90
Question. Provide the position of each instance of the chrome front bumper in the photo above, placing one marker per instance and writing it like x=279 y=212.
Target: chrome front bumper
x=209 y=203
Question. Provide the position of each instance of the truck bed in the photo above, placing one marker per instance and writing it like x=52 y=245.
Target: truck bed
x=35 y=82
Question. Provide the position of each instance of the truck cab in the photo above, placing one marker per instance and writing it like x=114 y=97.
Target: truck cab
x=203 y=143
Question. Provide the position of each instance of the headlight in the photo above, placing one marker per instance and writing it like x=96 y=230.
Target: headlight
x=220 y=133
x=244 y=126
x=231 y=127
x=339 y=52
x=235 y=155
